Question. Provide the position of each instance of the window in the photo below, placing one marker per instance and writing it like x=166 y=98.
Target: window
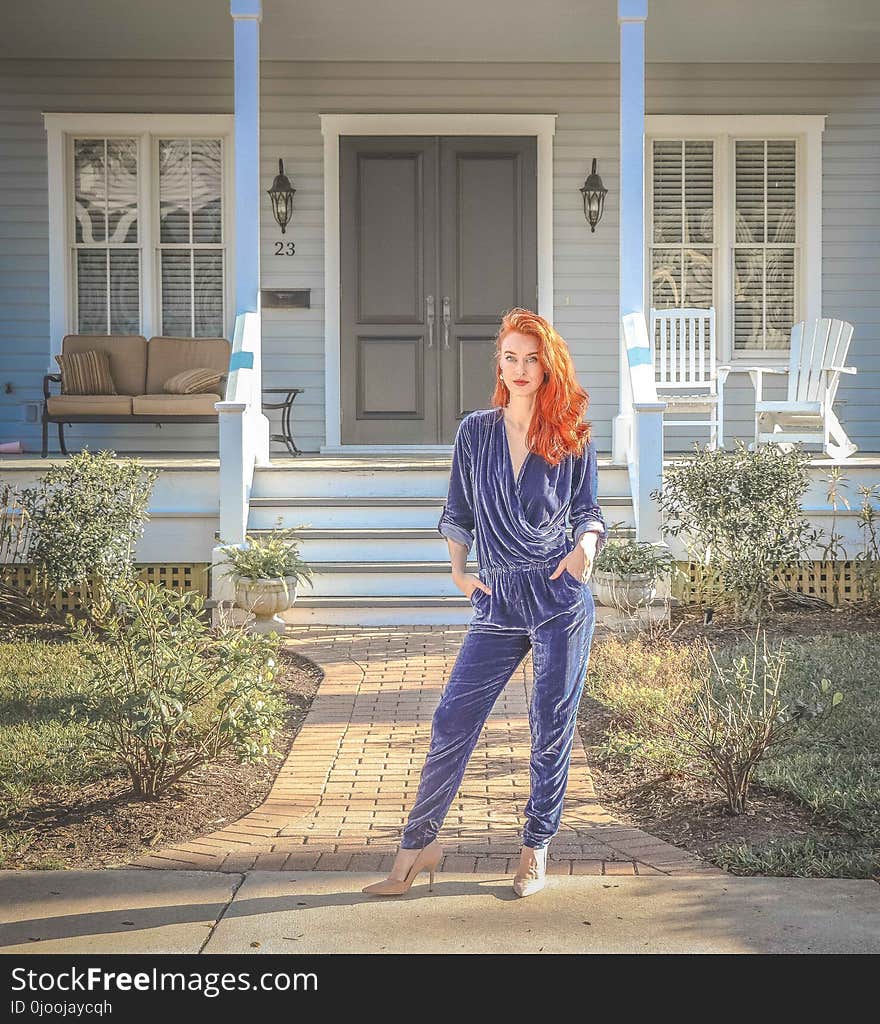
x=140 y=214
x=765 y=186
x=106 y=256
x=683 y=232
x=734 y=209
x=191 y=237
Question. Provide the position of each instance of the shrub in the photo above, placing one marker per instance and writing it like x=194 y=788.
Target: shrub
x=84 y=519
x=740 y=516
x=171 y=693
x=739 y=717
x=681 y=712
x=868 y=559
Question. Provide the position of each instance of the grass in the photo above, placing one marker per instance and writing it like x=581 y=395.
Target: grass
x=834 y=765
x=831 y=767
x=46 y=736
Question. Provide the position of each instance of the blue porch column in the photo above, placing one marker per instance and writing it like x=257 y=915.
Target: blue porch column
x=244 y=431
x=631 y=17
x=247 y=15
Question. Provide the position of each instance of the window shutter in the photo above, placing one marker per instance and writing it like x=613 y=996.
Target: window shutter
x=191 y=254
x=765 y=243
x=682 y=223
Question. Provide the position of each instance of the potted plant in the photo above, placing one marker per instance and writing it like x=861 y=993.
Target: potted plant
x=266 y=572
x=626 y=573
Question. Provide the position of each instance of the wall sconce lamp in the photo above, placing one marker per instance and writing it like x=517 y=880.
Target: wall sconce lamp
x=593 y=192
x=281 y=194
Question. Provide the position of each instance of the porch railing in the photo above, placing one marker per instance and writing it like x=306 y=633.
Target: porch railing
x=644 y=450
x=244 y=430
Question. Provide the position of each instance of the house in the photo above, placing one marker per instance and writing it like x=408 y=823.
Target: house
x=437 y=155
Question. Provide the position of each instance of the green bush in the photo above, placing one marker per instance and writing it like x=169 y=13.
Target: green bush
x=84 y=518
x=171 y=693
x=739 y=515
x=868 y=559
x=682 y=712
x=739 y=717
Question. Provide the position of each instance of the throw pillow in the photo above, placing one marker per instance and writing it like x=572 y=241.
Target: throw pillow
x=194 y=382
x=86 y=373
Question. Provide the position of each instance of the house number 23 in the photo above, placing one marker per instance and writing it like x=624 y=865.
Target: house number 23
x=285 y=248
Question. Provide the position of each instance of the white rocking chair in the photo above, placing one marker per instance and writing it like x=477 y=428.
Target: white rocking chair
x=816 y=361
x=687 y=375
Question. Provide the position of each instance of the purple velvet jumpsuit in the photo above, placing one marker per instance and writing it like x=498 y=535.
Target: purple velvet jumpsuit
x=521 y=527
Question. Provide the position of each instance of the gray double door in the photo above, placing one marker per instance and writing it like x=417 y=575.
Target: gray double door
x=438 y=238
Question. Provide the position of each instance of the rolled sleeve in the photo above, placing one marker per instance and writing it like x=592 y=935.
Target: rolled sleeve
x=457 y=520
x=585 y=513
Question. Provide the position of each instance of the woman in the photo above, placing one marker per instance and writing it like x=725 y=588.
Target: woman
x=519 y=471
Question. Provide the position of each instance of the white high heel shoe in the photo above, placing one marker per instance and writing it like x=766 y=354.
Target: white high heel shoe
x=533 y=875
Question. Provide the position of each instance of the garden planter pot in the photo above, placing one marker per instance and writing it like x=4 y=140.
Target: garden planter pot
x=266 y=599
x=626 y=593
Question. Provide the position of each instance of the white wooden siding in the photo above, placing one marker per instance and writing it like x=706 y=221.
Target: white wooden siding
x=585 y=96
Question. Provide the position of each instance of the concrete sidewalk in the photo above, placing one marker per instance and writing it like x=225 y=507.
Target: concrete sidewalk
x=144 y=911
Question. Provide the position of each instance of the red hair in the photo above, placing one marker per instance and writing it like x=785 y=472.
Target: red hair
x=557 y=428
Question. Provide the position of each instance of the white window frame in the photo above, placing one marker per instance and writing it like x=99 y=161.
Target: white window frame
x=147 y=129
x=725 y=130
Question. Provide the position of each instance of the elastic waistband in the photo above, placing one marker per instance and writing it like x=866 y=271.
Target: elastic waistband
x=498 y=570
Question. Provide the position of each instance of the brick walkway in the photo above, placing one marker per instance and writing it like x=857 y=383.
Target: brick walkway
x=343 y=794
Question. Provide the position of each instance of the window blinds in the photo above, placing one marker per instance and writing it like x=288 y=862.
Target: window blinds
x=191 y=237
x=764 y=243
x=106 y=251
x=682 y=229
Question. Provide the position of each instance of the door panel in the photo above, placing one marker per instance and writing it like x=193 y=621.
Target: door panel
x=391 y=377
x=389 y=265
x=489 y=260
x=453 y=219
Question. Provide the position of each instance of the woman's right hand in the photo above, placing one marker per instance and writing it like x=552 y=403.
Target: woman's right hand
x=467 y=583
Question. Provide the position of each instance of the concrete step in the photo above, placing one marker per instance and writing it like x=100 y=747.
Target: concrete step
x=387 y=544
x=382 y=579
x=382 y=477
x=378 y=512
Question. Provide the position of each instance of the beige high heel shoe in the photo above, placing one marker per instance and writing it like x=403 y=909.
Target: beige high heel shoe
x=532 y=876
x=428 y=858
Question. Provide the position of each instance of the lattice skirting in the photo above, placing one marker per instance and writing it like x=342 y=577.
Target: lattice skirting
x=182 y=576
x=817 y=578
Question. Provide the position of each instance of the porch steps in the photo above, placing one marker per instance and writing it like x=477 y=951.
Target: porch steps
x=368 y=528
x=377 y=513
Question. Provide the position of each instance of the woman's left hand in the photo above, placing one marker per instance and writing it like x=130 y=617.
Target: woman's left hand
x=579 y=561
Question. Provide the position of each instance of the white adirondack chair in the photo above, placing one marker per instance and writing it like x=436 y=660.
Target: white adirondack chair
x=687 y=375
x=816 y=361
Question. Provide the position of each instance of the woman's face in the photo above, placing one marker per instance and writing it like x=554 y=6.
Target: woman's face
x=521 y=369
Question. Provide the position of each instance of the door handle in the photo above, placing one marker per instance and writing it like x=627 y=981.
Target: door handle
x=429 y=302
x=446 y=318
